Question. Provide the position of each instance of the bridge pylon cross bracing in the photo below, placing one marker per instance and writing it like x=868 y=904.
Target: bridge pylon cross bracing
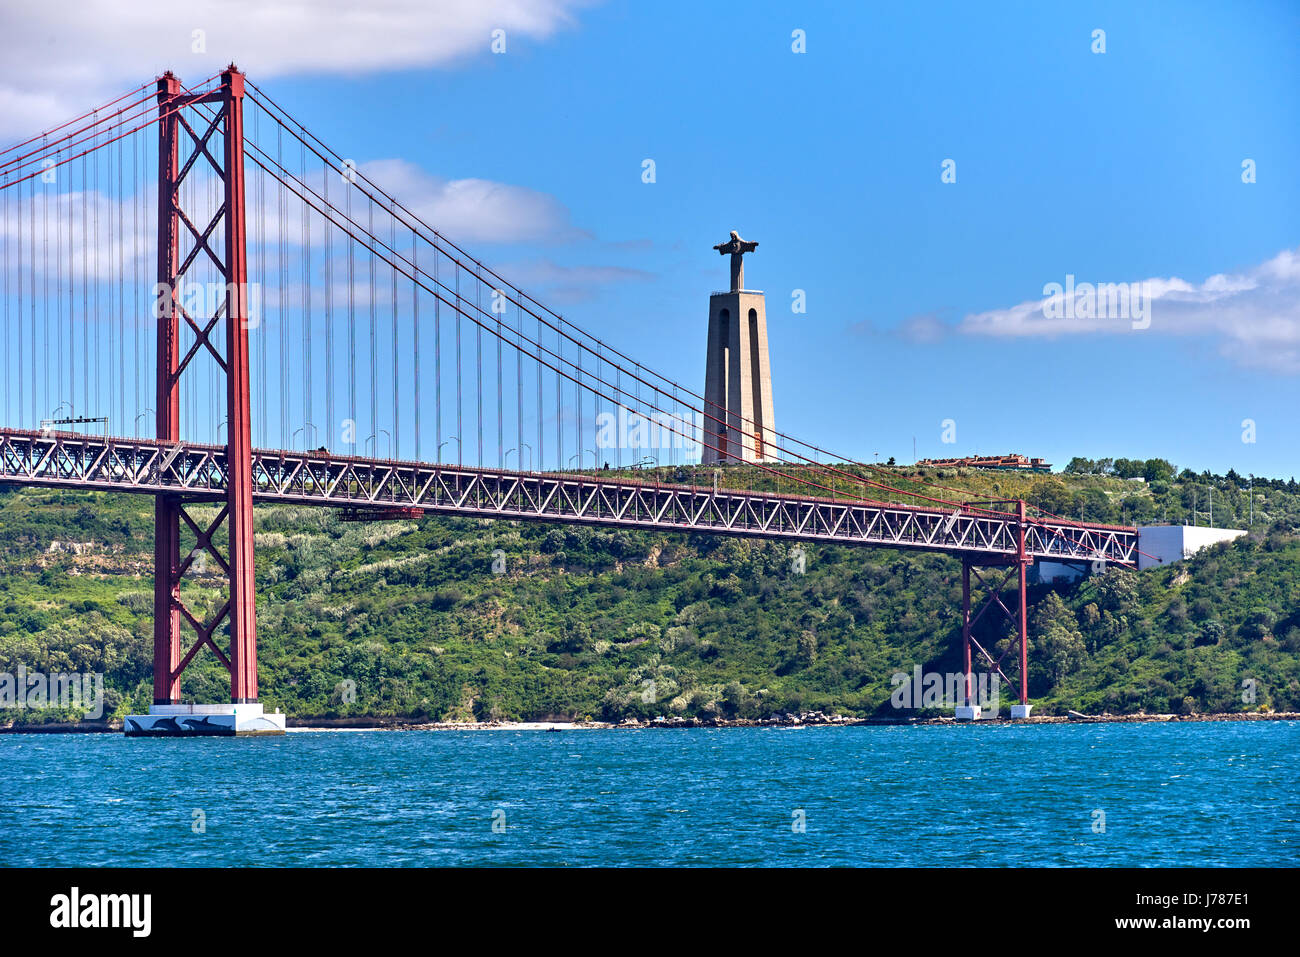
x=180 y=126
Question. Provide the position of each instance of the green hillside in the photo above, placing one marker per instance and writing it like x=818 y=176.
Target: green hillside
x=610 y=624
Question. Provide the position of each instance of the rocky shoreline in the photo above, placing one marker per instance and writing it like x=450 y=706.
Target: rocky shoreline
x=817 y=719
x=810 y=719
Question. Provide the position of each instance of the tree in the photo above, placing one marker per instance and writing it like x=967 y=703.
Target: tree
x=1092 y=504
x=1157 y=470
x=1211 y=633
x=807 y=647
x=1117 y=589
x=1258 y=624
x=733 y=698
x=1050 y=495
x=1129 y=468
x=1058 y=645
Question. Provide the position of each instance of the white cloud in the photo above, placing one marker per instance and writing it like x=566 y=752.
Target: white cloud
x=58 y=65
x=78 y=233
x=474 y=210
x=62 y=59
x=1252 y=316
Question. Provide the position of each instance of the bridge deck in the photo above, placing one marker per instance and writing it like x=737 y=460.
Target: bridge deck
x=197 y=472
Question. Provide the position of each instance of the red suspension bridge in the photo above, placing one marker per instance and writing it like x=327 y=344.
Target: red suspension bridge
x=178 y=251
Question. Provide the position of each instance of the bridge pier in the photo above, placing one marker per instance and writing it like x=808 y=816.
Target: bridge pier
x=203 y=720
x=1017 y=565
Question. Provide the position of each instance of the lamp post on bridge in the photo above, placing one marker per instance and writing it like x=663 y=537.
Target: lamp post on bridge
x=454 y=438
x=372 y=438
x=305 y=427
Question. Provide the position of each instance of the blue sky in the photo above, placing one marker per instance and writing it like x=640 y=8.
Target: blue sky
x=1122 y=166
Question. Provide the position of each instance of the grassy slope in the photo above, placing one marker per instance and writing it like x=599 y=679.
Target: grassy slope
x=609 y=624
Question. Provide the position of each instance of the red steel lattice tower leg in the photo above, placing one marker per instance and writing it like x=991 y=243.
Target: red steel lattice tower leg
x=965 y=622
x=1023 y=623
x=167 y=508
x=239 y=441
x=239 y=610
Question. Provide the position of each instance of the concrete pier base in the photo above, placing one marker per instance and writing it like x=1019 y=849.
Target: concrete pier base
x=1020 y=710
x=968 y=712
x=203 y=720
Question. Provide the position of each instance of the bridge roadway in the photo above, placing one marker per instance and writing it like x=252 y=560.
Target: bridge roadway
x=198 y=472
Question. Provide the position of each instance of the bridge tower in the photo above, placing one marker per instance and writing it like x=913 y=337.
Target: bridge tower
x=180 y=112
x=738 y=421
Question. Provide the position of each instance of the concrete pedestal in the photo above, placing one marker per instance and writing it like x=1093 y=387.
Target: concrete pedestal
x=968 y=712
x=203 y=720
x=1020 y=710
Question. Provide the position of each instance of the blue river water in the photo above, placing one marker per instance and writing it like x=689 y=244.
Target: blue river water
x=1212 y=793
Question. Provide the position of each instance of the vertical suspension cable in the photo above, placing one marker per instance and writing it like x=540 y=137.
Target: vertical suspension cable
x=578 y=431
x=328 y=239
x=415 y=313
x=395 y=438
x=352 y=329
x=121 y=291
x=191 y=388
x=147 y=328
x=185 y=396
x=640 y=414
x=85 y=302
x=460 y=431
x=45 y=310
x=306 y=303
x=280 y=283
x=519 y=388
x=437 y=362
x=374 y=326
x=138 y=322
x=31 y=259
x=4 y=345
x=560 y=462
x=18 y=354
x=500 y=416
x=213 y=426
x=98 y=315
x=262 y=349
x=541 y=405
x=60 y=263
x=595 y=406
x=478 y=359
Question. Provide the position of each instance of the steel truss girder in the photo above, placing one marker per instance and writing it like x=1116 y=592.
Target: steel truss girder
x=315 y=478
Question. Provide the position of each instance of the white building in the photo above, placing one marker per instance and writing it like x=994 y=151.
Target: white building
x=1162 y=544
x=1157 y=545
